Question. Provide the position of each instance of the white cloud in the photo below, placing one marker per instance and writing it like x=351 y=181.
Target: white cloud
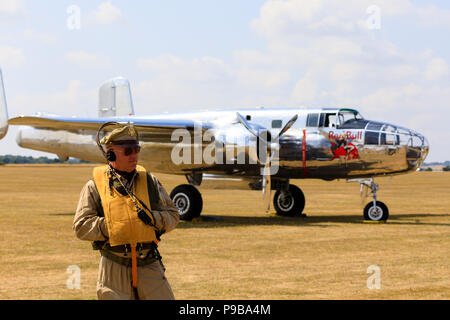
x=160 y=64
x=305 y=92
x=11 y=7
x=436 y=69
x=293 y=20
x=75 y=100
x=11 y=56
x=345 y=71
x=43 y=37
x=318 y=53
x=262 y=78
x=199 y=69
x=209 y=81
x=403 y=71
x=252 y=57
x=174 y=81
x=81 y=57
x=86 y=59
x=432 y=16
x=107 y=13
x=346 y=63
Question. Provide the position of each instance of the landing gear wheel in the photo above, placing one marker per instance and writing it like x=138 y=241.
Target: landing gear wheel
x=289 y=203
x=378 y=213
x=188 y=200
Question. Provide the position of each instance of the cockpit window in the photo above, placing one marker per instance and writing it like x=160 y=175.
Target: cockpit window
x=276 y=124
x=382 y=134
x=330 y=120
x=348 y=115
x=312 y=120
x=374 y=126
x=372 y=137
x=389 y=139
x=322 y=119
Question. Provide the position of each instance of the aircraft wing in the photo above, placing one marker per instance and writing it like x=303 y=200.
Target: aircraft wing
x=149 y=129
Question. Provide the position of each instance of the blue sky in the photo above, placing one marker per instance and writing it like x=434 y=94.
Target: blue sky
x=190 y=55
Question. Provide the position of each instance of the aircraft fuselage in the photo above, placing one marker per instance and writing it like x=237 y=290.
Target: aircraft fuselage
x=323 y=143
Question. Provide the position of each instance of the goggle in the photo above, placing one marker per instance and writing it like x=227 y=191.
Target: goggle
x=130 y=150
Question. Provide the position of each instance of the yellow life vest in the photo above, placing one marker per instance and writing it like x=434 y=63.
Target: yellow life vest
x=124 y=225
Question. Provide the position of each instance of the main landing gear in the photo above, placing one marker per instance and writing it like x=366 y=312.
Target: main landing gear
x=188 y=200
x=289 y=202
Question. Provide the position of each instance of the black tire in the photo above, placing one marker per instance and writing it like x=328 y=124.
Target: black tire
x=380 y=214
x=290 y=203
x=188 y=200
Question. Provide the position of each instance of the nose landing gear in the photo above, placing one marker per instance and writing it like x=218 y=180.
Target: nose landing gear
x=374 y=210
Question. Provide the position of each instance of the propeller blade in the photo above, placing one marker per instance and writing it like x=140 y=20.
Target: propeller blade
x=245 y=124
x=264 y=144
x=288 y=126
x=266 y=186
x=389 y=181
x=363 y=192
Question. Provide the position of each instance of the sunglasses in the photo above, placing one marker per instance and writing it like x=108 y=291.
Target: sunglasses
x=130 y=150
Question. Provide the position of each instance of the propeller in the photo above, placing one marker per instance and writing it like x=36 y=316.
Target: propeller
x=262 y=135
x=266 y=186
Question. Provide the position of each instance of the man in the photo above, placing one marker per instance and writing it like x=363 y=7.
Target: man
x=124 y=210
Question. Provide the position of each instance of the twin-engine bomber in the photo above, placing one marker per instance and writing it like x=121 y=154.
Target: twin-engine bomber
x=255 y=148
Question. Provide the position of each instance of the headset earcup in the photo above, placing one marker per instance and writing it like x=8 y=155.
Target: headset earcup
x=111 y=156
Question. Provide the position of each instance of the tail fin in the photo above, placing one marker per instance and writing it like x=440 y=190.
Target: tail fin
x=115 y=98
x=3 y=109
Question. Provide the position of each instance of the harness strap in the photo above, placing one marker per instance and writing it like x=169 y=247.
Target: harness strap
x=134 y=265
x=152 y=257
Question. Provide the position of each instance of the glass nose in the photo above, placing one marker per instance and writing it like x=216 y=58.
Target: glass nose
x=417 y=146
x=425 y=148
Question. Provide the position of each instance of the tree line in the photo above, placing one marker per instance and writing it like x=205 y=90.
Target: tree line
x=7 y=159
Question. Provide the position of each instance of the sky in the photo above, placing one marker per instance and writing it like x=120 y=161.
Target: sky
x=387 y=59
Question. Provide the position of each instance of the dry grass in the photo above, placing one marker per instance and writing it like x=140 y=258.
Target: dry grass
x=244 y=253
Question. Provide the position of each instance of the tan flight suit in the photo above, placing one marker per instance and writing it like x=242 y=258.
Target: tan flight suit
x=114 y=279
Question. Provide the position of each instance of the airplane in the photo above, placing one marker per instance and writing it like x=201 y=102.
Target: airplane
x=247 y=148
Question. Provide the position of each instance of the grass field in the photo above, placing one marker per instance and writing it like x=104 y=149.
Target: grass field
x=243 y=253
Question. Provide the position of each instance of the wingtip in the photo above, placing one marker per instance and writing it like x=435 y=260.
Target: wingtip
x=3 y=109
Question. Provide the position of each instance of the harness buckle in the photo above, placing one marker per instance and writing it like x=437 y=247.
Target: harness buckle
x=141 y=247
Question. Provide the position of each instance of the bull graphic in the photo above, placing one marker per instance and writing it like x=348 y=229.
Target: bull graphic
x=342 y=146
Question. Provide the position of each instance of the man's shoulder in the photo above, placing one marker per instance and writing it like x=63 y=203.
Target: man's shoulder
x=90 y=187
x=154 y=180
x=90 y=183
